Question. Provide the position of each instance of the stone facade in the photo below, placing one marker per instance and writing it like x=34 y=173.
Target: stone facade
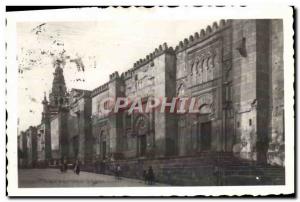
x=234 y=68
x=30 y=143
x=227 y=67
x=276 y=134
x=41 y=154
x=79 y=127
x=22 y=149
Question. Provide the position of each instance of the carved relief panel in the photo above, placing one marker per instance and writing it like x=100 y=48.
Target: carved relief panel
x=204 y=63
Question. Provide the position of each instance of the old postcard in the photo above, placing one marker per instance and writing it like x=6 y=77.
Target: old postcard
x=150 y=101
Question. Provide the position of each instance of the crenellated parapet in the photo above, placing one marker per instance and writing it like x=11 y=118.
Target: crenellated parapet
x=114 y=75
x=99 y=89
x=126 y=75
x=202 y=35
x=165 y=49
x=162 y=49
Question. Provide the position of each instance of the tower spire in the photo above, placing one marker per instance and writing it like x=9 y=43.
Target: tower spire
x=58 y=95
x=45 y=99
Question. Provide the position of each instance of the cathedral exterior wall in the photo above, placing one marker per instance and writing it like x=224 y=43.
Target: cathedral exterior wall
x=244 y=69
x=233 y=68
x=99 y=124
x=200 y=64
x=31 y=145
x=79 y=127
x=276 y=135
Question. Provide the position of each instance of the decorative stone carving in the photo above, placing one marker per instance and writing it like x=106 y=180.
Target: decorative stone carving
x=142 y=125
x=202 y=64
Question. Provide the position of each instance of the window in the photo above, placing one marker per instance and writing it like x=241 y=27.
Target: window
x=238 y=124
x=250 y=122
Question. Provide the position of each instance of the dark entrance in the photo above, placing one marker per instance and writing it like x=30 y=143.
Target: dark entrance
x=103 y=149
x=205 y=136
x=142 y=145
x=75 y=144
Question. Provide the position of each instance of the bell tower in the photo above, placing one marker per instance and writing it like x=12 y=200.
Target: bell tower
x=58 y=96
x=45 y=107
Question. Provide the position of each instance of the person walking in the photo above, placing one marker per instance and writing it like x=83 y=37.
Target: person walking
x=65 y=165
x=61 y=167
x=119 y=172
x=150 y=176
x=77 y=167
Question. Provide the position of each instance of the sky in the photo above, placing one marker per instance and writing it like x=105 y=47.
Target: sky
x=91 y=49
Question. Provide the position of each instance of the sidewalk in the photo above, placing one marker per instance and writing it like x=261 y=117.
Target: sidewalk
x=54 y=178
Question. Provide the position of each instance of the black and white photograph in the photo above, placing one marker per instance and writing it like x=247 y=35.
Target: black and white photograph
x=151 y=98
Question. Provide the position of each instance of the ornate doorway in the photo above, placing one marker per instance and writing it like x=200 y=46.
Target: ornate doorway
x=142 y=129
x=102 y=144
x=103 y=152
x=142 y=145
x=204 y=127
x=205 y=138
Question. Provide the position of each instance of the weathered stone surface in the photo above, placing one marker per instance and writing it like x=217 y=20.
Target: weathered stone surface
x=234 y=69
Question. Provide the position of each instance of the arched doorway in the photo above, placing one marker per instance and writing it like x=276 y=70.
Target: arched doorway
x=102 y=144
x=204 y=128
x=142 y=129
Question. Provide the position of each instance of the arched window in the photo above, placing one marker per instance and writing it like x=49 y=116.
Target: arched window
x=205 y=109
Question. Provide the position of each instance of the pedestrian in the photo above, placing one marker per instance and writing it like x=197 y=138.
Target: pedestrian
x=116 y=171
x=119 y=172
x=74 y=167
x=77 y=167
x=145 y=176
x=150 y=176
x=65 y=165
x=61 y=165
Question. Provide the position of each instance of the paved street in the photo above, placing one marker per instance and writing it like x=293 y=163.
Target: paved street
x=54 y=178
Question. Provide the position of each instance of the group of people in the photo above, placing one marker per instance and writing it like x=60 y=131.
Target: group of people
x=148 y=176
x=64 y=166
